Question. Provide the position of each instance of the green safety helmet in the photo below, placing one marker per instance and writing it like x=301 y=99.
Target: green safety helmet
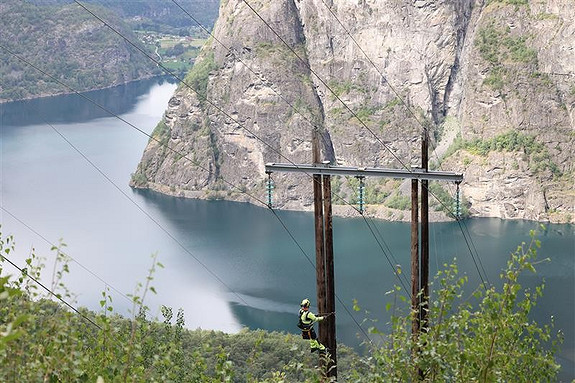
x=305 y=303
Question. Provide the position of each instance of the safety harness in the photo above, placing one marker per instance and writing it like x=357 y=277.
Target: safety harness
x=306 y=328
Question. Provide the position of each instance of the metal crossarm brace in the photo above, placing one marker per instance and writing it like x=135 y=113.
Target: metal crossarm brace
x=326 y=169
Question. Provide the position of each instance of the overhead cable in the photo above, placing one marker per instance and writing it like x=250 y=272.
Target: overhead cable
x=67 y=255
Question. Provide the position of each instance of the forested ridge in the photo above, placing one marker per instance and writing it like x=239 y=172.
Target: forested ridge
x=67 y=43
x=157 y=15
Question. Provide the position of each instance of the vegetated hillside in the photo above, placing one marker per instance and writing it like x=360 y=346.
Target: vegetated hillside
x=68 y=43
x=157 y=15
x=493 y=82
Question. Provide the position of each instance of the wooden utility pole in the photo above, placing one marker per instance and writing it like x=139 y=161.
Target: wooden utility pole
x=415 y=321
x=424 y=307
x=330 y=340
x=324 y=259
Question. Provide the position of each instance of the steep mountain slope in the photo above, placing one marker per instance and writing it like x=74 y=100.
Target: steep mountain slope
x=67 y=43
x=494 y=82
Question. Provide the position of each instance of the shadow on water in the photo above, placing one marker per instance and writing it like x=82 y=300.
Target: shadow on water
x=71 y=108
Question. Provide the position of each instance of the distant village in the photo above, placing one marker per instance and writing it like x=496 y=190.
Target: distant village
x=174 y=51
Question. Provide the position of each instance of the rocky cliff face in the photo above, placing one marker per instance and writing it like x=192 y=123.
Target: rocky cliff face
x=492 y=82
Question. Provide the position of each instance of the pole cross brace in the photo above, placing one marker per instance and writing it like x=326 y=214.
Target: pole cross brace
x=327 y=169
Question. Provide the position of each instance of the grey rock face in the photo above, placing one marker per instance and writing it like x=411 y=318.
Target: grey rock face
x=370 y=76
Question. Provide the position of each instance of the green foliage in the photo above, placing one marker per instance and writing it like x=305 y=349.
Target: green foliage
x=512 y=141
x=375 y=192
x=158 y=16
x=518 y=50
x=176 y=53
x=398 y=201
x=499 y=48
x=457 y=144
x=365 y=112
x=198 y=77
x=139 y=178
x=393 y=103
x=488 y=43
x=345 y=190
x=495 y=78
x=492 y=339
x=279 y=54
x=510 y=2
x=162 y=132
x=341 y=88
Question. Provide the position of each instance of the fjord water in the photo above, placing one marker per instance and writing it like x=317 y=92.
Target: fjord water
x=65 y=169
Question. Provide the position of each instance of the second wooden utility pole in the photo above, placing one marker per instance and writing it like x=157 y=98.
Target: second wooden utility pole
x=325 y=287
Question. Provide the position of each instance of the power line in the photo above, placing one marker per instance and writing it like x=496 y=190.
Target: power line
x=57 y=296
x=67 y=255
x=478 y=257
x=182 y=246
x=404 y=281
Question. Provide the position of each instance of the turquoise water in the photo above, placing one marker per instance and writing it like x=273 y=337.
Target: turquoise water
x=228 y=265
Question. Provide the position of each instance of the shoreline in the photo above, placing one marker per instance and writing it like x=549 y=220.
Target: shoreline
x=5 y=101
x=346 y=211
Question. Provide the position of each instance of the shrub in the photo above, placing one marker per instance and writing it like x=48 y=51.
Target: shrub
x=398 y=201
x=199 y=75
x=490 y=339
